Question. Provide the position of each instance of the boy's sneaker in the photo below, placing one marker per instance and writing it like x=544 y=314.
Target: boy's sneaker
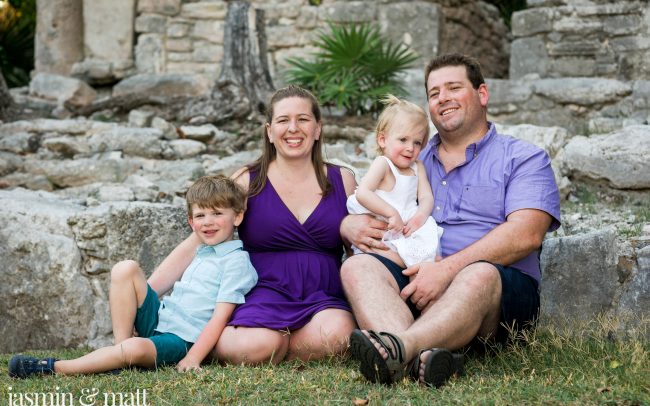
x=22 y=366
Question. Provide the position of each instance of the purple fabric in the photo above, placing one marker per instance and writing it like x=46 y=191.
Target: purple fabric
x=500 y=175
x=297 y=264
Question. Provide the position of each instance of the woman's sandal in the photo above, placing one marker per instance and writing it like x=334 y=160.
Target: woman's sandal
x=438 y=368
x=373 y=366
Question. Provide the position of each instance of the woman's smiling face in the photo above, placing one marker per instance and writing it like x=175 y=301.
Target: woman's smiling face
x=293 y=129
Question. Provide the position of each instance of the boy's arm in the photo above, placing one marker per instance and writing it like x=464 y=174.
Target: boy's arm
x=425 y=202
x=172 y=267
x=208 y=338
x=370 y=200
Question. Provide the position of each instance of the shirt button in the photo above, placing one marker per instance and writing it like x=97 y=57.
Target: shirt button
x=437 y=207
x=444 y=183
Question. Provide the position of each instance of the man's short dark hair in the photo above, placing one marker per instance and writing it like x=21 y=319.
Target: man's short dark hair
x=472 y=67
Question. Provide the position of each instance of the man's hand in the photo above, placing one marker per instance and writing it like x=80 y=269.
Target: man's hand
x=364 y=231
x=429 y=280
x=188 y=364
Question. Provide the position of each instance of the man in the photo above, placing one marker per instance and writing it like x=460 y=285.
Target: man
x=495 y=197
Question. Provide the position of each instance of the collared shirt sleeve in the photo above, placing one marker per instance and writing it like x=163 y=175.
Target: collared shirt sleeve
x=238 y=278
x=531 y=184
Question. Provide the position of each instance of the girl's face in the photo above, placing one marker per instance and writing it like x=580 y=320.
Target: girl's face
x=293 y=129
x=403 y=140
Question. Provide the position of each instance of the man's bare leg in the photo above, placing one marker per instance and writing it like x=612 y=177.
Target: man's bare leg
x=373 y=295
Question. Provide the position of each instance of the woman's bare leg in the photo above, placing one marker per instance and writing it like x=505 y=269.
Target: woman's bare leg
x=326 y=334
x=251 y=346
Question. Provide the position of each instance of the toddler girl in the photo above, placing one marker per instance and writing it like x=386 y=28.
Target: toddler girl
x=396 y=188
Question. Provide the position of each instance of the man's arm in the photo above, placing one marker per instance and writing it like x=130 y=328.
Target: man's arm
x=522 y=233
x=208 y=338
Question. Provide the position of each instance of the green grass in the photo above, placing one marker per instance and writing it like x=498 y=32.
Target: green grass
x=550 y=368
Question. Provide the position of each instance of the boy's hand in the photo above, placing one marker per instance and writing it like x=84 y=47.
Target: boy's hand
x=415 y=223
x=188 y=364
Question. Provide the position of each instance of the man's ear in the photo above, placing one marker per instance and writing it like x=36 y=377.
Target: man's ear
x=483 y=94
x=239 y=217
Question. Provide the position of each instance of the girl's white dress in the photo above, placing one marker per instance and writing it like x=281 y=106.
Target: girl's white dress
x=423 y=244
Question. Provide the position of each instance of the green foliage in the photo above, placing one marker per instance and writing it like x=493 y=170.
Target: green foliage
x=17 y=27
x=353 y=68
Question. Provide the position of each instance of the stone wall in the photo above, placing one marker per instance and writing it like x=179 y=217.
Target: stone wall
x=580 y=64
x=569 y=38
x=174 y=36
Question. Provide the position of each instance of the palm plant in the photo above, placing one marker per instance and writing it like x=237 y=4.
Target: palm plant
x=354 y=66
x=17 y=27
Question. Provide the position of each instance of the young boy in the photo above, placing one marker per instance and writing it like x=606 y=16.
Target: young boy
x=185 y=327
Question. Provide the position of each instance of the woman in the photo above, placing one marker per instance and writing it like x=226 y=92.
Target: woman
x=291 y=230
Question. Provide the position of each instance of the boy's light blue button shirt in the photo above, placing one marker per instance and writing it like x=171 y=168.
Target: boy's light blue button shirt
x=220 y=273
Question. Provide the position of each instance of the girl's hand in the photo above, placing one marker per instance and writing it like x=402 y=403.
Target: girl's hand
x=395 y=223
x=415 y=223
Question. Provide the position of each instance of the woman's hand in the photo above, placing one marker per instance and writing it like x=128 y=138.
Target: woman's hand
x=363 y=231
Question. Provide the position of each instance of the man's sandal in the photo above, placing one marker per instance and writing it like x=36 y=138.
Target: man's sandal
x=373 y=366
x=438 y=368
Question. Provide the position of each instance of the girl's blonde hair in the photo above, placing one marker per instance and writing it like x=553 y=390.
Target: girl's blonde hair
x=396 y=105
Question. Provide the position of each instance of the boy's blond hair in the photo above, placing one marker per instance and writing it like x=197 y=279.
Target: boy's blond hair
x=394 y=106
x=216 y=191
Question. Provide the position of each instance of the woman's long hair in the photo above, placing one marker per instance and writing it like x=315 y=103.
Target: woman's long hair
x=269 y=153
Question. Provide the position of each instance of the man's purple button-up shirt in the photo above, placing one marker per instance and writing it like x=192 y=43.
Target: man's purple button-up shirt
x=500 y=175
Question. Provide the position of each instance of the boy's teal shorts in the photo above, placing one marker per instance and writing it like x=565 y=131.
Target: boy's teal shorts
x=170 y=348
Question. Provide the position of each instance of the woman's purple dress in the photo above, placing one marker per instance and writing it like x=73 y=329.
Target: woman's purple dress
x=297 y=264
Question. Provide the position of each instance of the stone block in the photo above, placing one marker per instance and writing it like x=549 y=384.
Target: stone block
x=168 y=85
x=144 y=142
x=207 y=10
x=618 y=158
x=208 y=70
x=574 y=67
x=108 y=29
x=66 y=146
x=150 y=54
x=282 y=37
x=415 y=24
x=151 y=23
x=526 y=23
x=577 y=26
x=165 y=7
x=64 y=90
x=574 y=47
x=582 y=91
x=140 y=118
x=178 y=45
x=623 y=25
x=308 y=17
x=82 y=171
x=349 y=12
x=179 y=56
x=209 y=30
x=579 y=276
x=58 y=41
x=40 y=256
x=528 y=55
x=177 y=30
x=187 y=148
x=207 y=53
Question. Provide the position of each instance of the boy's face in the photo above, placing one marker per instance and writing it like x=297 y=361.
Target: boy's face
x=215 y=225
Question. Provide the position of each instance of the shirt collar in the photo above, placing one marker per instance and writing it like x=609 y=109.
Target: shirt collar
x=472 y=149
x=221 y=250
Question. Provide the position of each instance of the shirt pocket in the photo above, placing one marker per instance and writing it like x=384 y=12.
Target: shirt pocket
x=480 y=202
